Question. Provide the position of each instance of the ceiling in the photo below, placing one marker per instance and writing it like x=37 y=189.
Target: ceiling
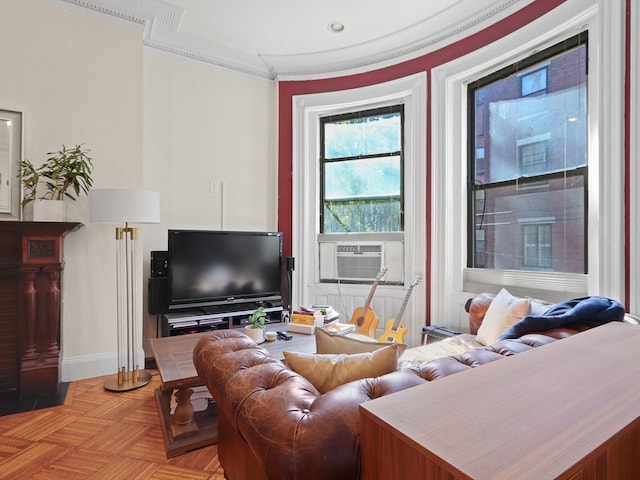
x=291 y=38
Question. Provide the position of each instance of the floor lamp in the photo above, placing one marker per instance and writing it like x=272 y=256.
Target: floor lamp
x=125 y=207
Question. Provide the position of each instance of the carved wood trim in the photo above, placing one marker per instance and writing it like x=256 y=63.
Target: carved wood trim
x=32 y=262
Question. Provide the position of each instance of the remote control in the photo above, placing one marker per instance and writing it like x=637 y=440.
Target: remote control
x=284 y=336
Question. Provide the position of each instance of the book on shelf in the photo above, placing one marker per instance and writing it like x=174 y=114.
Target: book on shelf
x=339 y=328
x=303 y=318
x=327 y=311
x=300 y=328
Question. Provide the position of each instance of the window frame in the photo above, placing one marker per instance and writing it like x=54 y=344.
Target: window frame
x=412 y=92
x=452 y=282
x=526 y=180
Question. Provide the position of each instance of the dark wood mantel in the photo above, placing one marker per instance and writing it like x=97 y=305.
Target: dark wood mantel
x=31 y=263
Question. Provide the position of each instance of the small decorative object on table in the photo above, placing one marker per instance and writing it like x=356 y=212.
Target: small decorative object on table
x=255 y=329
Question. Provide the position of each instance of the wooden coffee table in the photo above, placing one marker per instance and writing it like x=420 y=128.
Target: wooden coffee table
x=186 y=430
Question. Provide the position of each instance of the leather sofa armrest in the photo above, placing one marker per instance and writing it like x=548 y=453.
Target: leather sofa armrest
x=477 y=308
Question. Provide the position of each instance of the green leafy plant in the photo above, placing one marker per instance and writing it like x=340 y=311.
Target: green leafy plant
x=258 y=318
x=30 y=179
x=66 y=173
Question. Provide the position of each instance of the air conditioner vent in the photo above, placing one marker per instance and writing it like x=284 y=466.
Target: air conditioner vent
x=360 y=248
x=360 y=262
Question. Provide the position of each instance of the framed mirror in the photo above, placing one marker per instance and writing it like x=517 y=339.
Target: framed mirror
x=10 y=156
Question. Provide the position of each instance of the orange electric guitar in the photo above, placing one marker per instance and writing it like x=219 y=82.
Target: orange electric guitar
x=394 y=330
x=364 y=318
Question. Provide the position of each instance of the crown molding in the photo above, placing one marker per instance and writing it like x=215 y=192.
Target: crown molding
x=161 y=22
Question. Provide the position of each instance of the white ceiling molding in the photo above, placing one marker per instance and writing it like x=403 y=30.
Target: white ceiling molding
x=164 y=30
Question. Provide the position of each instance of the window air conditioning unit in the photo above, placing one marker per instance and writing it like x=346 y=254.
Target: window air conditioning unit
x=351 y=261
x=361 y=261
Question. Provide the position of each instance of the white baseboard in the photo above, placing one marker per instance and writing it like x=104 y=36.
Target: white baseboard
x=90 y=366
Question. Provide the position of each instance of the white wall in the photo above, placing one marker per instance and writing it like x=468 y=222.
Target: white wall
x=151 y=121
x=78 y=80
x=203 y=126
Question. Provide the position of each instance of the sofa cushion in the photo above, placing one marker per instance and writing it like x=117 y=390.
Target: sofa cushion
x=539 y=307
x=327 y=371
x=504 y=311
x=450 y=346
x=352 y=343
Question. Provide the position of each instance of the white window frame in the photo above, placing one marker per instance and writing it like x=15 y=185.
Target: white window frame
x=307 y=110
x=634 y=154
x=455 y=282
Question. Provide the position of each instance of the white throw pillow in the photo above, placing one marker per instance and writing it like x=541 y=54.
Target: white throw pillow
x=539 y=307
x=504 y=311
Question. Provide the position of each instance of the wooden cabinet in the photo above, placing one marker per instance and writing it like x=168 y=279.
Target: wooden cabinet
x=31 y=264
x=567 y=410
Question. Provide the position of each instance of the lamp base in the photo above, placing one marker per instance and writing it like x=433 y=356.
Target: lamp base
x=115 y=384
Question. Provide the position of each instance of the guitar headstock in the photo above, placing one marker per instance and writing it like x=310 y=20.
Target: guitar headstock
x=382 y=273
x=416 y=281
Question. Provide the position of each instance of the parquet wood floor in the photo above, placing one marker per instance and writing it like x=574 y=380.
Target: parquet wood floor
x=97 y=434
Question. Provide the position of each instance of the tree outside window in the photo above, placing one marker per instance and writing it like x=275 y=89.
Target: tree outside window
x=362 y=171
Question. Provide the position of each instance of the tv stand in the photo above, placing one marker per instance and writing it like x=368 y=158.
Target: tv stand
x=202 y=319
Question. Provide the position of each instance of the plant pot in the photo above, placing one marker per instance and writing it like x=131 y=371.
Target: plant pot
x=45 y=211
x=256 y=334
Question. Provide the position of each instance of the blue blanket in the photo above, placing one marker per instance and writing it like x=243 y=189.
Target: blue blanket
x=590 y=311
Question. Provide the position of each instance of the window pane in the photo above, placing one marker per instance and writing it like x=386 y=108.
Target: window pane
x=362 y=172
x=533 y=158
x=501 y=212
x=557 y=117
x=528 y=163
x=371 y=177
x=362 y=216
x=367 y=135
x=533 y=82
x=537 y=245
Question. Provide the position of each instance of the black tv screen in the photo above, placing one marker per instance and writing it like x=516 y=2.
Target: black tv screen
x=209 y=268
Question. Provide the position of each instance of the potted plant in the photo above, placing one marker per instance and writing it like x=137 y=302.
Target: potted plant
x=255 y=329
x=65 y=174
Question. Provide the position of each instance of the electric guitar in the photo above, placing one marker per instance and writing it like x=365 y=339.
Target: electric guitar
x=364 y=318
x=394 y=330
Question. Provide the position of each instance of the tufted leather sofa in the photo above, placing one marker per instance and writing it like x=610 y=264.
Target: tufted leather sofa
x=273 y=424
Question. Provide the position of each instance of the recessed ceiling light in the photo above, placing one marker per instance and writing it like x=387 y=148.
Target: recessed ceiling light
x=335 y=26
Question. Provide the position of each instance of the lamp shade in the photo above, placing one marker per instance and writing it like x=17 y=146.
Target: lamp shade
x=120 y=205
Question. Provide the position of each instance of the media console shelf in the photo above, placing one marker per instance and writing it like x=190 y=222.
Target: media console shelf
x=199 y=320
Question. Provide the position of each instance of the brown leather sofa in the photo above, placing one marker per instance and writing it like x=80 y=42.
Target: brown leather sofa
x=273 y=424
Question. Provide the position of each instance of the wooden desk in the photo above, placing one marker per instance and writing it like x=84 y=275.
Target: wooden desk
x=185 y=430
x=570 y=409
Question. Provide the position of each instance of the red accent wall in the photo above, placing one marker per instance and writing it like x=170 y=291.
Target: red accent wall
x=289 y=89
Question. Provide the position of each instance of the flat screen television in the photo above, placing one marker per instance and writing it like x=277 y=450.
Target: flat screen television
x=215 y=268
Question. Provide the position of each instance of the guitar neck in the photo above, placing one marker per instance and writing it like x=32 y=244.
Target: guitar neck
x=403 y=306
x=381 y=274
x=370 y=297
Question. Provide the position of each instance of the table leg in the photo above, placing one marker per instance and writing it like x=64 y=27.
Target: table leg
x=183 y=423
